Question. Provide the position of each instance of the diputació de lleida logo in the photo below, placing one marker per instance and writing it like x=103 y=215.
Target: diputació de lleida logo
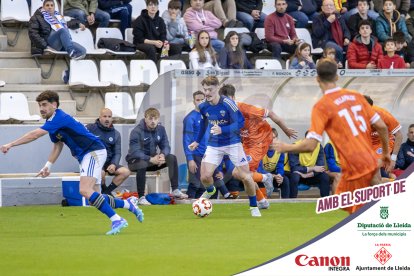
x=384 y=212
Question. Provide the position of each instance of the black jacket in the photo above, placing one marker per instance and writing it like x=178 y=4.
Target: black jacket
x=248 y=5
x=145 y=27
x=111 y=139
x=354 y=21
x=405 y=155
x=39 y=31
x=108 y=4
x=321 y=30
x=143 y=143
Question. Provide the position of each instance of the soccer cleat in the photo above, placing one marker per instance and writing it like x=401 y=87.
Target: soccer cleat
x=263 y=204
x=255 y=212
x=117 y=226
x=207 y=194
x=178 y=194
x=133 y=208
x=268 y=183
x=231 y=196
x=143 y=201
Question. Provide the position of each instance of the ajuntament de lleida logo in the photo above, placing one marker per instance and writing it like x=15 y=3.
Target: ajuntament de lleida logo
x=384 y=212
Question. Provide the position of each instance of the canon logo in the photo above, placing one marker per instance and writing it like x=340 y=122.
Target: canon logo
x=303 y=260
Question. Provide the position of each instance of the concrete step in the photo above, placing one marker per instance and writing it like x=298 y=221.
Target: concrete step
x=21 y=75
x=3 y=42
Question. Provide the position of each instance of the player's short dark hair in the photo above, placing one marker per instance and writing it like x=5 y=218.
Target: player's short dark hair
x=155 y=2
x=398 y=37
x=174 y=4
x=227 y=90
x=366 y=1
x=198 y=92
x=389 y=40
x=152 y=112
x=364 y=23
x=326 y=69
x=210 y=80
x=388 y=1
x=48 y=95
x=410 y=126
x=369 y=99
x=44 y=2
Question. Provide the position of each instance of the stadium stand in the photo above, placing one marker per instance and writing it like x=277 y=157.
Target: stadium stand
x=17 y=12
x=85 y=39
x=167 y=65
x=121 y=105
x=116 y=73
x=15 y=106
x=144 y=71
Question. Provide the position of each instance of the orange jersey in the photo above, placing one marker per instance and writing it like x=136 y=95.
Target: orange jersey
x=393 y=126
x=256 y=129
x=347 y=118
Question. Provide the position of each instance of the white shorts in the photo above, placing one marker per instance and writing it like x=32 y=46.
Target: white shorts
x=92 y=164
x=214 y=155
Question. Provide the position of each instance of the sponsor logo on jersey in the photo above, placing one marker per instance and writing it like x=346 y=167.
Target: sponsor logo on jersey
x=222 y=113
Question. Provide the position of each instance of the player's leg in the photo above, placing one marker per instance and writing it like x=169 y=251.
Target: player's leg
x=211 y=160
x=120 y=175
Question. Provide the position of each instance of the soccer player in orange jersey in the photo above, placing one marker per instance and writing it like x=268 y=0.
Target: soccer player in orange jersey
x=256 y=136
x=347 y=118
x=394 y=135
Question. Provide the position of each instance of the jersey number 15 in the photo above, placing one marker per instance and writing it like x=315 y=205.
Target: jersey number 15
x=355 y=111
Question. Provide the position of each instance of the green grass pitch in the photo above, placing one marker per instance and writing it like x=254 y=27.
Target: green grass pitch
x=54 y=240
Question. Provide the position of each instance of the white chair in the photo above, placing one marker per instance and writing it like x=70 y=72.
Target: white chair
x=85 y=73
x=287 y=63
x=137 y=7
x=15 y=11
x=121 y=105
x=129 y=36
x=163 y=6
x=85 y=39
x=144 y=71
x=111 y=33
x=239 y=30
x=39 y=3
x=171 y=64
x=139 y=97
x=268 y=7
x=260 y=33
x=304 y=34
x=268 y=64
x=116 y=72
x=15 y=106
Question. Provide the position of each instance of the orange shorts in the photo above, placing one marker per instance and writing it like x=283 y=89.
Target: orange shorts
x=255 y=154
x=352 y=185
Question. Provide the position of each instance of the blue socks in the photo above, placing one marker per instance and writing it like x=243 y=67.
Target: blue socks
x=253 y=201
x=101 y=204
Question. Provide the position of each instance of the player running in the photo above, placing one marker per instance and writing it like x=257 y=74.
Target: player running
x=347 y=118
x=86 y=148
x=225 y=119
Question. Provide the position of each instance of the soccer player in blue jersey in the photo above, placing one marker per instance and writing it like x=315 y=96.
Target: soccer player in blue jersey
x=86 y=148
x=225 y=121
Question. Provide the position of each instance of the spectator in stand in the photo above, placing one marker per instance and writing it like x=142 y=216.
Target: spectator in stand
x=177 y=32
x=233 y=56
x=352 y=6
x=390 y=21
x=118 y=9
x=341 y=6
x=273 y=162
x=48 y=28
x=150 y=33
x=87 y=12
x=330 y=30
x=302 y=11
x=406 y=154
x=203 y=55
x=403 y=6
x=403 y=50
x=198 y=19
x=409 y=22
x=361 y=14
x=364 y=52
x=250 y=13
x=332 y=164
x=111 y=138
x=308 y=168
x=302 y=58
x=391 y=60
x=149 y=150
x=225 y=10
x=280 y=31
x=330 y=52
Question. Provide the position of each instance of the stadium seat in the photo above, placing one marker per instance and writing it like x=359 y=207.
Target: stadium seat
x=15 y=11
x=110 y=33
x=260 y=33
x=304 y=34
x=15 y=106
x=129 y=36
x=183 y=177
x=268 y=64
x=85 y=39
x=121 y=105
x=137 y=7
x=143 y=70
x=115 y=72
x=239 y=30
x=85 y=73
x=287 y=63
x=171 y=64
x=139 y=97
x=163 y=6
x=268 y=7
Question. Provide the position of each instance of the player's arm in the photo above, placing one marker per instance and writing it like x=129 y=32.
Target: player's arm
x=382 y=130
x=188 y=137
x=397 y=145
x=291 y=133
x=53 y=156
x=307 y=145
x=26 y=138
x=236 y=119
x=203 y=128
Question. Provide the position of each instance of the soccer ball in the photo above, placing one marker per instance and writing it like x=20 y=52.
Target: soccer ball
x=202 y=207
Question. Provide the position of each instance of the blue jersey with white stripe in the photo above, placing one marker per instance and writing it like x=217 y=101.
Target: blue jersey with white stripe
x=227 y=116
x=64 y=128
x=191 y=129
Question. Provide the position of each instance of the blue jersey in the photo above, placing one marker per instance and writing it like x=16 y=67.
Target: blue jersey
x=191 y=129
x=64 y=128
x=226 y=115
